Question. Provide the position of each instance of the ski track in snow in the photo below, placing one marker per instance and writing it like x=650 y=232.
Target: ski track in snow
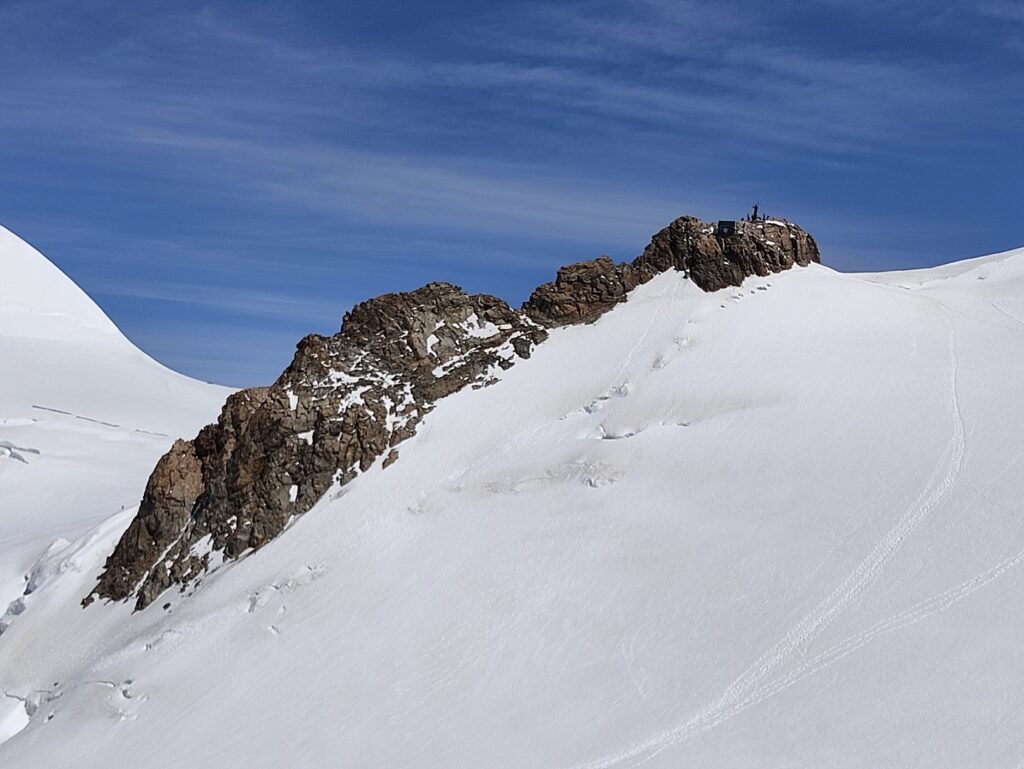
x=748 y=688
x=624 y=367
x=1008 y=314
x=910 y=616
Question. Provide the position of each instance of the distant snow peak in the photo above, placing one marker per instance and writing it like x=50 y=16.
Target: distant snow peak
x=38 y=301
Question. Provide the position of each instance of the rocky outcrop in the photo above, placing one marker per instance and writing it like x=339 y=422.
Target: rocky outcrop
x=344 y=402
x=717 y=256
x=713 y=256
x=582 y=292
x=347 y=401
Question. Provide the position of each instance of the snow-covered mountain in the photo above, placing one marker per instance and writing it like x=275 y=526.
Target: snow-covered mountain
x=774 y=525
x=84 y=415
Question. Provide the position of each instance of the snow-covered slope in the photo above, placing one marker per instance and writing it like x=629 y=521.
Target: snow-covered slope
x=38 y=301
x=775 y=526
x=83 y=417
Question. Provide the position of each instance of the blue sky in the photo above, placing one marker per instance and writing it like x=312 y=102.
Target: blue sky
x=224 y=178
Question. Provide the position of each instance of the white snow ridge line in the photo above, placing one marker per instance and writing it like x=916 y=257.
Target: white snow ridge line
x=745 y=687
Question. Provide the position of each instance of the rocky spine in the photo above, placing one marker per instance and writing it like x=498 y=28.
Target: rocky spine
x=350 y=399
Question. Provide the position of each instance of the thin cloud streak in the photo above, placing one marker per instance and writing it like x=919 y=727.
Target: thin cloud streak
x=176 y=147
x=257 y=304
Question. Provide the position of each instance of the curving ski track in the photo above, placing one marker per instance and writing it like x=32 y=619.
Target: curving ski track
x=748 y=689
x=1007 y=313
x=910 y=616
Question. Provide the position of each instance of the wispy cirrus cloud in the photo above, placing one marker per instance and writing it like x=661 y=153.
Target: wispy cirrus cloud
x=271 y=305
x=1007 y=10
x=269 y=153
x=714 y=73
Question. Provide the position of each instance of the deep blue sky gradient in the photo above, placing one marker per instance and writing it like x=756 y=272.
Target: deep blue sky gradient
x=224 y=178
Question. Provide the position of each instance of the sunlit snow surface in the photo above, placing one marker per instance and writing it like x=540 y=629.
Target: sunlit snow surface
x=775 y=526
x=84 y=415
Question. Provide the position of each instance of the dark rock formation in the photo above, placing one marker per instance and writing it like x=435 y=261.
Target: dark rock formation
x=343 y=402
x=718 y=256
x=349 y=399
x=712 y=256
x=582 y=292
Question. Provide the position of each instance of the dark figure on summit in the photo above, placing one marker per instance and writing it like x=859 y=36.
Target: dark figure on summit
x=753 y=217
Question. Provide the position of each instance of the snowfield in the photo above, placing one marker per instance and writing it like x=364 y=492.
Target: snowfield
x=84 y=415
x=773 y=526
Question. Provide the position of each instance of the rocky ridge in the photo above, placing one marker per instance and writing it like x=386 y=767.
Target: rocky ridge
x=347 y=401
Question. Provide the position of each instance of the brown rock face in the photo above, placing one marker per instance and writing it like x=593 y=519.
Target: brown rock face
x=712 y=255
x=171 y=493
x=343 y=402
x=582 y=292
x=718 y=256
x=349 y=399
